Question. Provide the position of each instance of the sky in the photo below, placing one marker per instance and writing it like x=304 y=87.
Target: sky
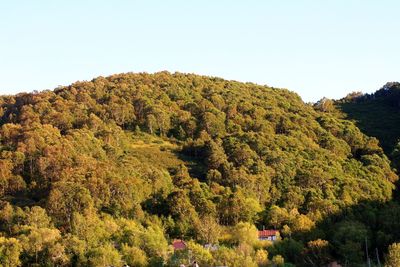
x=315 y=48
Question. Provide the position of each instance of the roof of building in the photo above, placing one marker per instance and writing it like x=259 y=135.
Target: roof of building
x=266 y=233
x=178 y=244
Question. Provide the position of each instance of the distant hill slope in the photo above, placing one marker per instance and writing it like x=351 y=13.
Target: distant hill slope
x=377 y=115
x=174 y=151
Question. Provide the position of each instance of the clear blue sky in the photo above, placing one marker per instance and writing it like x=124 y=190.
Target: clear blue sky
x=316 y=48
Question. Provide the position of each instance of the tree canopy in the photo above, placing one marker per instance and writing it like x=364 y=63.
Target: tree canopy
x=109 y=171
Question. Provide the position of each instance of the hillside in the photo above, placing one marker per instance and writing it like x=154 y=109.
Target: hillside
x=109 y=171
x=377 y=115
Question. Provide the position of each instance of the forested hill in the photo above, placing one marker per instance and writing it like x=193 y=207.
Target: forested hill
x=377 y=114
x=110 y=171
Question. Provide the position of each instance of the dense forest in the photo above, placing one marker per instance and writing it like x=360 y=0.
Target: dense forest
x=377 y=115
x=110 y=171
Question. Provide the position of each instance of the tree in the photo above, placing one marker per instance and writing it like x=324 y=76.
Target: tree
x=245 y=233
x=261 y=258
x=182 y=211
x=393 y=256
x=215 y=155
x=5 y=175
x=213 y=124
x=200 y=254
x=349 y=239
x=164 y=122
x=66 y=198
x=302 y=223
x=105 y=255
x=154 y=242
x=7 y=216
x=325 y=105
x=151 y=123
x=90 y=228
x=37 y=217
x=10 y=183
x=289 y=248
x=235 y=207
x=39 y=240
x=317 y=253
x=278 y=216
x=134 y=256
x=229 y=257
x=208 y=229
x=57 y=255
x=278 y=260
x=10 y=249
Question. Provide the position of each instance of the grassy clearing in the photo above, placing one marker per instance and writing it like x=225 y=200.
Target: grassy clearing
x=163 y=153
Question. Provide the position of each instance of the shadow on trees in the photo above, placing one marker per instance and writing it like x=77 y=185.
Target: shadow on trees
x=368 y=227
x=378 y=115
x=376 y=118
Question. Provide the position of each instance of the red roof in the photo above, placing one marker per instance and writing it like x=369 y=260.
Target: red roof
x=178 y=244
x=266 y=233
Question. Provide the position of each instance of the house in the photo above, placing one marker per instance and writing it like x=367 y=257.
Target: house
x=271 y=235
x=179 y=244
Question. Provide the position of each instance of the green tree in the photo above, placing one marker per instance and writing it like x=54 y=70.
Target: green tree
x=261 y=257
x=229 y=257
x=7 y=216
x=10 y=250
x=39 y=240
x=215 y=155
x=393 y=256
x=66 y=198
x=105 y=255
x=349 y=239
x=245 y=233
x=208 y=229
x=278 y=260
x=134 y=256
x=317 y=253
